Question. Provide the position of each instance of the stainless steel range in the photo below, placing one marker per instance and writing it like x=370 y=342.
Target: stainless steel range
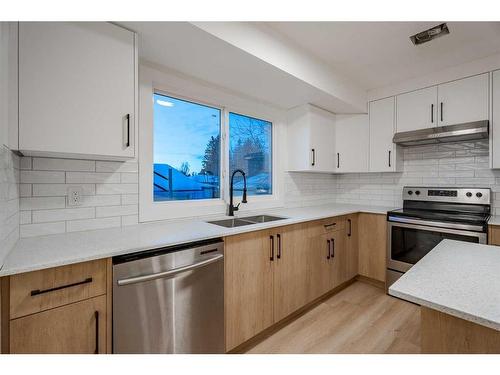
x=430 y=215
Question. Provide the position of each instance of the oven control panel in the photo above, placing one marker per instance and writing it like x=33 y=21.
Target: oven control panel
x=454 y=195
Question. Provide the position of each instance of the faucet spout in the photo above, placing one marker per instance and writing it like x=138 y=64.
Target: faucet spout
x=232 y=207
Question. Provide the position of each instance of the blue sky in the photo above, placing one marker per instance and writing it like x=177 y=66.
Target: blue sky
x=182 y=130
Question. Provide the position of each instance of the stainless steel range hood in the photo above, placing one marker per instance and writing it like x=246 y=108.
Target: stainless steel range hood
x=451 y=133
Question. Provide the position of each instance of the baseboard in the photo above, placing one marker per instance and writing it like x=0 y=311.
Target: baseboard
x=369 y=280
x=249 y=344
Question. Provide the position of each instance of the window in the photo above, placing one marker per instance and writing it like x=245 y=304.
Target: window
x=186 y=150
x=250 y=149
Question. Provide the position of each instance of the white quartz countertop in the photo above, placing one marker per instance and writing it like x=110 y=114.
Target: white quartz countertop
x=494 y=220
x=35 y=253
x=457 y=278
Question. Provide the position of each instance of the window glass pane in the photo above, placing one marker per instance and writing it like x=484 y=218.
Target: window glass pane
x=186 y=150
x=250 y=149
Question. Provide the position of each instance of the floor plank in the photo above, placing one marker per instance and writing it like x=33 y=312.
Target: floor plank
x=359 y=319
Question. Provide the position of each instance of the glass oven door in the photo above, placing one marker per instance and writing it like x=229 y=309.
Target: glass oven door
x=408 y=243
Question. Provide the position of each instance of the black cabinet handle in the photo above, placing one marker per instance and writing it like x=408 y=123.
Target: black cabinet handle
x=441 y=111
x=432 y=113
x=350 y=228
x=338 y=160
x=96 y=314
x=127 y=144
x=279 y=246
x=271 y=258
x=333 y=248
x=313 y=157
x=389 y=158
x=38 y=291
x=328 y=249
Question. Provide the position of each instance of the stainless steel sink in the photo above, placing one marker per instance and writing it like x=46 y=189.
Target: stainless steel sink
x=262 y=218
x=231 y=223
x=249 y=220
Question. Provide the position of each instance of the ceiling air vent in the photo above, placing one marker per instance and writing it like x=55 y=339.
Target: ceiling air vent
x=428 y=35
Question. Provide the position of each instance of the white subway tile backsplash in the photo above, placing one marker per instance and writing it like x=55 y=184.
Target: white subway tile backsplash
x=110 y=195
x=114 y=166
x=91 y=177
x=40 y=203
x=39 y=177
x=48 y=164
x=90 y=224
x=117 y=188
x=64 y=214
x=31 y=230
x=101 y=200
x=25 y=217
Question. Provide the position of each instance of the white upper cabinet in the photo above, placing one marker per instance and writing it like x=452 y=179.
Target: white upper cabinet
x=383 y=153
x=351 y=143
x=464 y=100
x=310 y=139
x=416 y=110
x=77 y=90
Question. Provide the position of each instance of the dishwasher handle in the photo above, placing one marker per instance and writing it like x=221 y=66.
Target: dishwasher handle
x=169 y=273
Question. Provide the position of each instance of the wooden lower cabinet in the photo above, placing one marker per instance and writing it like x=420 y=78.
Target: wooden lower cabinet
x=248 y=286
x=78 y=328
x=272 y=273
x=494 y=235
x=372 y=245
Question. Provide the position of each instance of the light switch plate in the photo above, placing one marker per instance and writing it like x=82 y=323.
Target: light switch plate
x=75 y=194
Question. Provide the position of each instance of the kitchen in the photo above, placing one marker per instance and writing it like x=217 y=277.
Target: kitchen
x=237 y=187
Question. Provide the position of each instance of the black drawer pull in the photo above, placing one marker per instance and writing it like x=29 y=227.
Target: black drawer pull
x=38 y=291
x=96 y=314
x=333 y=248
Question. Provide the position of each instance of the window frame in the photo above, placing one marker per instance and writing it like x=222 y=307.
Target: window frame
x=221 y=132
x=153 y=81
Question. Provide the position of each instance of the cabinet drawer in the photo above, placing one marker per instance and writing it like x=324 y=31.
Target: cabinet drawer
x=333 y=224
x=78 y=328
x=37 y=291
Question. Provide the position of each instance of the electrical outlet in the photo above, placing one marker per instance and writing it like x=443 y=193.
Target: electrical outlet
x=75 y=194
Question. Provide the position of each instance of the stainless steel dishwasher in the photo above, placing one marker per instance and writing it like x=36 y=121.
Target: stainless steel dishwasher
x=170 y=300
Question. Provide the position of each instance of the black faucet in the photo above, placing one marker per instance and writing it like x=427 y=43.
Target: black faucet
x=244 y=200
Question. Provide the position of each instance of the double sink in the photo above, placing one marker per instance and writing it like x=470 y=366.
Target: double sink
x=249 y=220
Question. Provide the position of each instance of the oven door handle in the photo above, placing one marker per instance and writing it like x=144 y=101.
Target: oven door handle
x=435 y=224
x=480 y=235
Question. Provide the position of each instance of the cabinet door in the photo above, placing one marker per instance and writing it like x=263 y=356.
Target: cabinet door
x=77 y=328
x=352 y=246
x=372 y=245
x=464 y=100
x=290 y=270
x=248 y=286
x=319 y=264
x=416 y=110
x=76 y=89
x=322 y=140
x=338 y=258
x=382 y=150
x=351 y=143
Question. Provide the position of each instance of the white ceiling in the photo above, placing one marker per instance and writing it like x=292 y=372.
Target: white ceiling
x=377 y=54
x=186 y=48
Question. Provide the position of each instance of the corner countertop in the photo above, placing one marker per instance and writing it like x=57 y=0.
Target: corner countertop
x=494 y=220
x=456 y=278
x=36 y=253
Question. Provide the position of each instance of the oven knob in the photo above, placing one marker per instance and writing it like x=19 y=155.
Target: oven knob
x=410 y=192
x=469 y=194
x=417 y=192
x=479 y=195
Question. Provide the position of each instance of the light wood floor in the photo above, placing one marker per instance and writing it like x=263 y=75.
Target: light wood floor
x=359 y=319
